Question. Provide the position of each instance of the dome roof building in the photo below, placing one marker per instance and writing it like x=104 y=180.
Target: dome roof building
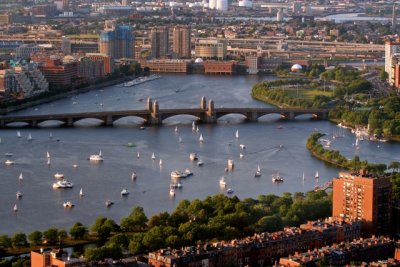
x=296 y=68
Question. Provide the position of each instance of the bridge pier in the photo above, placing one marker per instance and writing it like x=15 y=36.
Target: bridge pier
x=2 y=124
x=155 y=116
x=252 y=116
x=34 y=124
x=210 y=115
x=291 y=115
x=70 y=122
x=109 y=120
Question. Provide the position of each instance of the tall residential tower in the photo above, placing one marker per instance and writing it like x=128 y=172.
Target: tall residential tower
x=181 y=42
x=117 y=41
x=159 y=42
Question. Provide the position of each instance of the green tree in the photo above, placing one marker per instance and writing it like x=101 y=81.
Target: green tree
x=5 y=241
x=51 y=235
x=35 y=237
x=78 y=231
x=136 y=221
x=19 y=240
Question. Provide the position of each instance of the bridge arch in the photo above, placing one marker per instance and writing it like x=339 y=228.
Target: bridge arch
x=236 y=115
x=94 y=121
x=129 y=120
x=168 y=116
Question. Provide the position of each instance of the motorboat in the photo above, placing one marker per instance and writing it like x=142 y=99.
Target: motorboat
x=200 y=163
x=59 y=175
x=178 y=174
x=229 y=191
x=276 y=178
x=109 y=203
x=134 y=175
x=19 y=195
x=242 y=146
x=193 y=156
x=222 y=182
x=96 y=157
x=9 y=162
x=140 y=80
x=124 y=192
x=68 y=204
x=63 y=184
x=258 y=172
x=188 y=172
x=8 y=154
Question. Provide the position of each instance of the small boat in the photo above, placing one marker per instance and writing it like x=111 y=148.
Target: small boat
x=63 y=184
x=188 y=172
x=176 y=129
x=21 y=177
x=109 y=203
x=81 y=192
x=180 y=139
x=138 y=155
x=242 y=146
x=8 y=154
x=19 y=195
x=178 y=174
x=96 y=157
x=176 y=185
x=222 y=182
x=200 y=163
x=15 y=209
x=48 y=162
x=75 y=166
x=193 y=126
x=153 y=157
x=58 y=175
x=316 y=175
x=197 y=128
x=276 y=178
x=229 y=191
x=241 y=155
x=29 y=137
x=193 y=156
x=303 y=177
x=237 y=134
x=142 y=128
x=201 y=139
x=68 y=204
x=230 y=165
x=19 y=134
x=258 y=172
x=9 y=162
x=124 y=192
x=134 y=175
x=50 y=135
x=48 y=154
x=160 y=163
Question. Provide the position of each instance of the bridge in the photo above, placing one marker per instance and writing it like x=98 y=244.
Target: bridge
x=153 y=115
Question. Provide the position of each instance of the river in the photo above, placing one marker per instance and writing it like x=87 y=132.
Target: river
x=276 y=149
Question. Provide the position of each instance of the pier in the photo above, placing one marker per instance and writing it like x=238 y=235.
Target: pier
x=153 y=115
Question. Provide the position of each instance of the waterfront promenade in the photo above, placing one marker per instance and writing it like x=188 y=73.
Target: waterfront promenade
x=153 y=115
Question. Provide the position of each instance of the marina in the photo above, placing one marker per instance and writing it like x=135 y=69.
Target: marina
x=274 y=150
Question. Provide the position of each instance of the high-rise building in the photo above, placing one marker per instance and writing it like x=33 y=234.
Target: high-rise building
x=394 y=22
x=159 y=42
x=66 y=45
x=117 y=41
x=181 y=41
x=392 y=49
x=363 y=197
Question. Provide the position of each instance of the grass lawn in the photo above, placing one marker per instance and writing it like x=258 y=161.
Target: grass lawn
x=305 y=93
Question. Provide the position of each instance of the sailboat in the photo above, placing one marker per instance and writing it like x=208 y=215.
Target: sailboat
x=81 y=193
x=15 y=209
x=193 y=126
x=176 y=129
x=357 y=144
x=241 y=155
x=48 y=154
x=258 y=172
x=201 y=139
x=18 y=134
x=138 y=155
x=303 y=177
x=180 y=139
x=197 y=129
x=153 y=157
x=48 y=161
x=160 y=162
x=51 y=135
x=20 y=177
x=316 y=175
x=29 y=136
x=237 y=134
x=134 y=176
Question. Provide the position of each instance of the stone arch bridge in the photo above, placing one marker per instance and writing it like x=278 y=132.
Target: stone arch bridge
x=153 y=115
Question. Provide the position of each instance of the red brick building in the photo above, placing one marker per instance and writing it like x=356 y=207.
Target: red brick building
x=59 y=74
x=363 y=197
x=220 y=67
x=107 y=61
x=54 y=259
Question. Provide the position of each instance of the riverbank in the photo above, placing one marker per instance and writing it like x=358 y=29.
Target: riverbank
x=52 y=98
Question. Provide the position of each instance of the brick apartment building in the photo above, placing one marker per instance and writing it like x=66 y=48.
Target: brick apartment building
x=261 y=249
x=54 y=258
x=364 y=197
x=59 y=74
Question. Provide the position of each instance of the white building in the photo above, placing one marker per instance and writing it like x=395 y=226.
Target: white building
x=391 y=50
x=222 y=5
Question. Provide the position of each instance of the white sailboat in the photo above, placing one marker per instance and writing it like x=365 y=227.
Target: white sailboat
x=197 y=129
x=29 y=137
x=237 y=134
x=180 y=139
x=176 y=129
x=160 y=163
x=15 y=209
x=50 y=135
x=153 y=157
x=241 y=155
x=81 y=193
x=201 y=139
x=316 y=175
x=48 y=154
x=134 y=176
x=18 y=134
x=138 y=155
x=258 y=172
x=21 y=177
x=48 y=161
x=303 y=177
x=193 y=126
